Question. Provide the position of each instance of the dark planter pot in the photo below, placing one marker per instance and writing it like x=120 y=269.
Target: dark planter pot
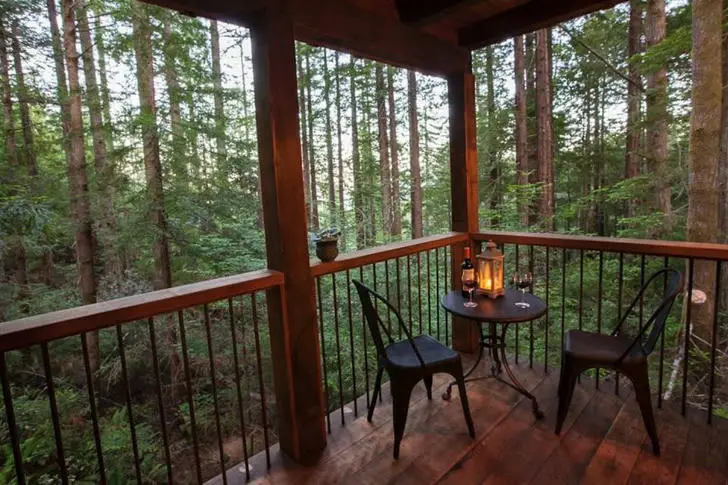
x=327 y=250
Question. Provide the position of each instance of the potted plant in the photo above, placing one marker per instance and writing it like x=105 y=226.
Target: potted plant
x=326 y=244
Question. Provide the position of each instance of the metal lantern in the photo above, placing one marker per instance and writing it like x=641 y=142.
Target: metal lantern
x=490 y=271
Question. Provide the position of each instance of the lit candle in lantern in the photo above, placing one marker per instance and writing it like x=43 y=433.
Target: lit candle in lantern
x=490 y=271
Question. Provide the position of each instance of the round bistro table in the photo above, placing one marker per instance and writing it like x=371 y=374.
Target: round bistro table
x=500 y=311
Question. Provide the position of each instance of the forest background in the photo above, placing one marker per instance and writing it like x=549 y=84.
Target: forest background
x=129 y=156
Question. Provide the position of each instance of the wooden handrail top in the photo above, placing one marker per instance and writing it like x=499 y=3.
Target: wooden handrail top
x=682 y=249
x=377 y=254
x=72 y=321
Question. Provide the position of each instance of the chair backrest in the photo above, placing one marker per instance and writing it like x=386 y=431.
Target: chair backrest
x=375 y=323
x=673 y=283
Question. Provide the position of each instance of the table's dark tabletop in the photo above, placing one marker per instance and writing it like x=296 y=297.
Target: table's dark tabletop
x=500 y=310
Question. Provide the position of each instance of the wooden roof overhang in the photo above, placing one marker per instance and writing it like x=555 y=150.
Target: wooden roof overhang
x=431 y=36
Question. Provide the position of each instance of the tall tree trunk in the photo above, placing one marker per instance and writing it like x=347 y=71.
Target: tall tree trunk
x=17 y=246
x=11 y=144
x=169 y=51
x=78 y=181
x=656 y=117
x=384 y=164
x=519 y=62
x=545 y=131
x=339 y=149
x=103 y=82
x=705 y=130
x=396 y=209
x=220 y=124
x=723 y=172
x=329 y=142
x=28 y=149
x=532 y=123
x=634 y=104
x=302 y=80
x=491 y=138
x=106 y=225
x=414 y=149
x=152 y=165
x=311 y=152
x=356 y=161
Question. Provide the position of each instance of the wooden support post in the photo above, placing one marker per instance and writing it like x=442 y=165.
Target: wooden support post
x=463 y=187
x=293 y=329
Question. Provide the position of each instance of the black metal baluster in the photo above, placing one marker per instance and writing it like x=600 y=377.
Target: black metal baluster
x=386 y=282
x=530 y=324
x=323 y=353
x=409 y=291
x=714 y=341
x=364 y=332
x=662 y=344
x=160 y=399
x=581 y=287
x=190 y=398
x=518 y=270
x=619 y=311
x=338 y=346
x=448 y=277
x=93 y=408
x=437 y=288
x=563 y=297
x=419 y=290
x=642 y=282
x=261 y=385
x=399 y=295
x=12 y=425
x=429 y=296
x=127 y=389
x=686 y=349
x=548 y=326
x=351 y=342
x=51 y=389
x=238 y=386
x=211 y=357
x=599 y=301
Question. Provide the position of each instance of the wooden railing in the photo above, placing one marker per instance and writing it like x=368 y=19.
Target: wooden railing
x=196 y=395
x=181 y=393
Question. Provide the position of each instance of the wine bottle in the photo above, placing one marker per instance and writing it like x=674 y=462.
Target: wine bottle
x=467 y=275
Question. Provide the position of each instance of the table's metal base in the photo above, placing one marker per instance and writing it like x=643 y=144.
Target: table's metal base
x=497 y=348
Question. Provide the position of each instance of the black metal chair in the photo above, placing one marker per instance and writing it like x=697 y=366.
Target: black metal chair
x=407 y=362
x=589 y=350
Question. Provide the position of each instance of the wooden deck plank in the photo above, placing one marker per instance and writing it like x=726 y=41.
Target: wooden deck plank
x=618 y=453
x=440 y=453
x=603 y=441
x=663 y=470
x=571 y=458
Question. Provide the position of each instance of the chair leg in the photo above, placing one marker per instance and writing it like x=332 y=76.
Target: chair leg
x=641 y=382
x=428 y=386
x=401 y=391
x=567 y=382
x=464 y=401
x=375 y=394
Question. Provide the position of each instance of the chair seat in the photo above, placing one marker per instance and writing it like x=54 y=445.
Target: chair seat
x=401 y=354
x=600 y=349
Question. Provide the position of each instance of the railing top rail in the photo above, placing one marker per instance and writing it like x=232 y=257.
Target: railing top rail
x=683 y=249
x=377 y=254
x=64 y=323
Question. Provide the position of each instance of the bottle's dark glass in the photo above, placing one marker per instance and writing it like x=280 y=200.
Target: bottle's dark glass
x=467 y=275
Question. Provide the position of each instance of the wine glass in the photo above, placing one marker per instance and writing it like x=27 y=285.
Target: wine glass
x=522 y=281
x=470 y=286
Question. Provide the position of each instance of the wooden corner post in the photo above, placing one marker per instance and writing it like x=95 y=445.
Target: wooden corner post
x=463 y=187
x=292 y=311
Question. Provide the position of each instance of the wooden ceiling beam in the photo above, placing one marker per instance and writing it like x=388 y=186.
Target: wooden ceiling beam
x=239 y=13
x=419 y=12
x=526 y=18
x=340 y=25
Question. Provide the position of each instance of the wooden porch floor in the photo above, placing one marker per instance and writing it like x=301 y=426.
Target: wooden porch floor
x=603 y=441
